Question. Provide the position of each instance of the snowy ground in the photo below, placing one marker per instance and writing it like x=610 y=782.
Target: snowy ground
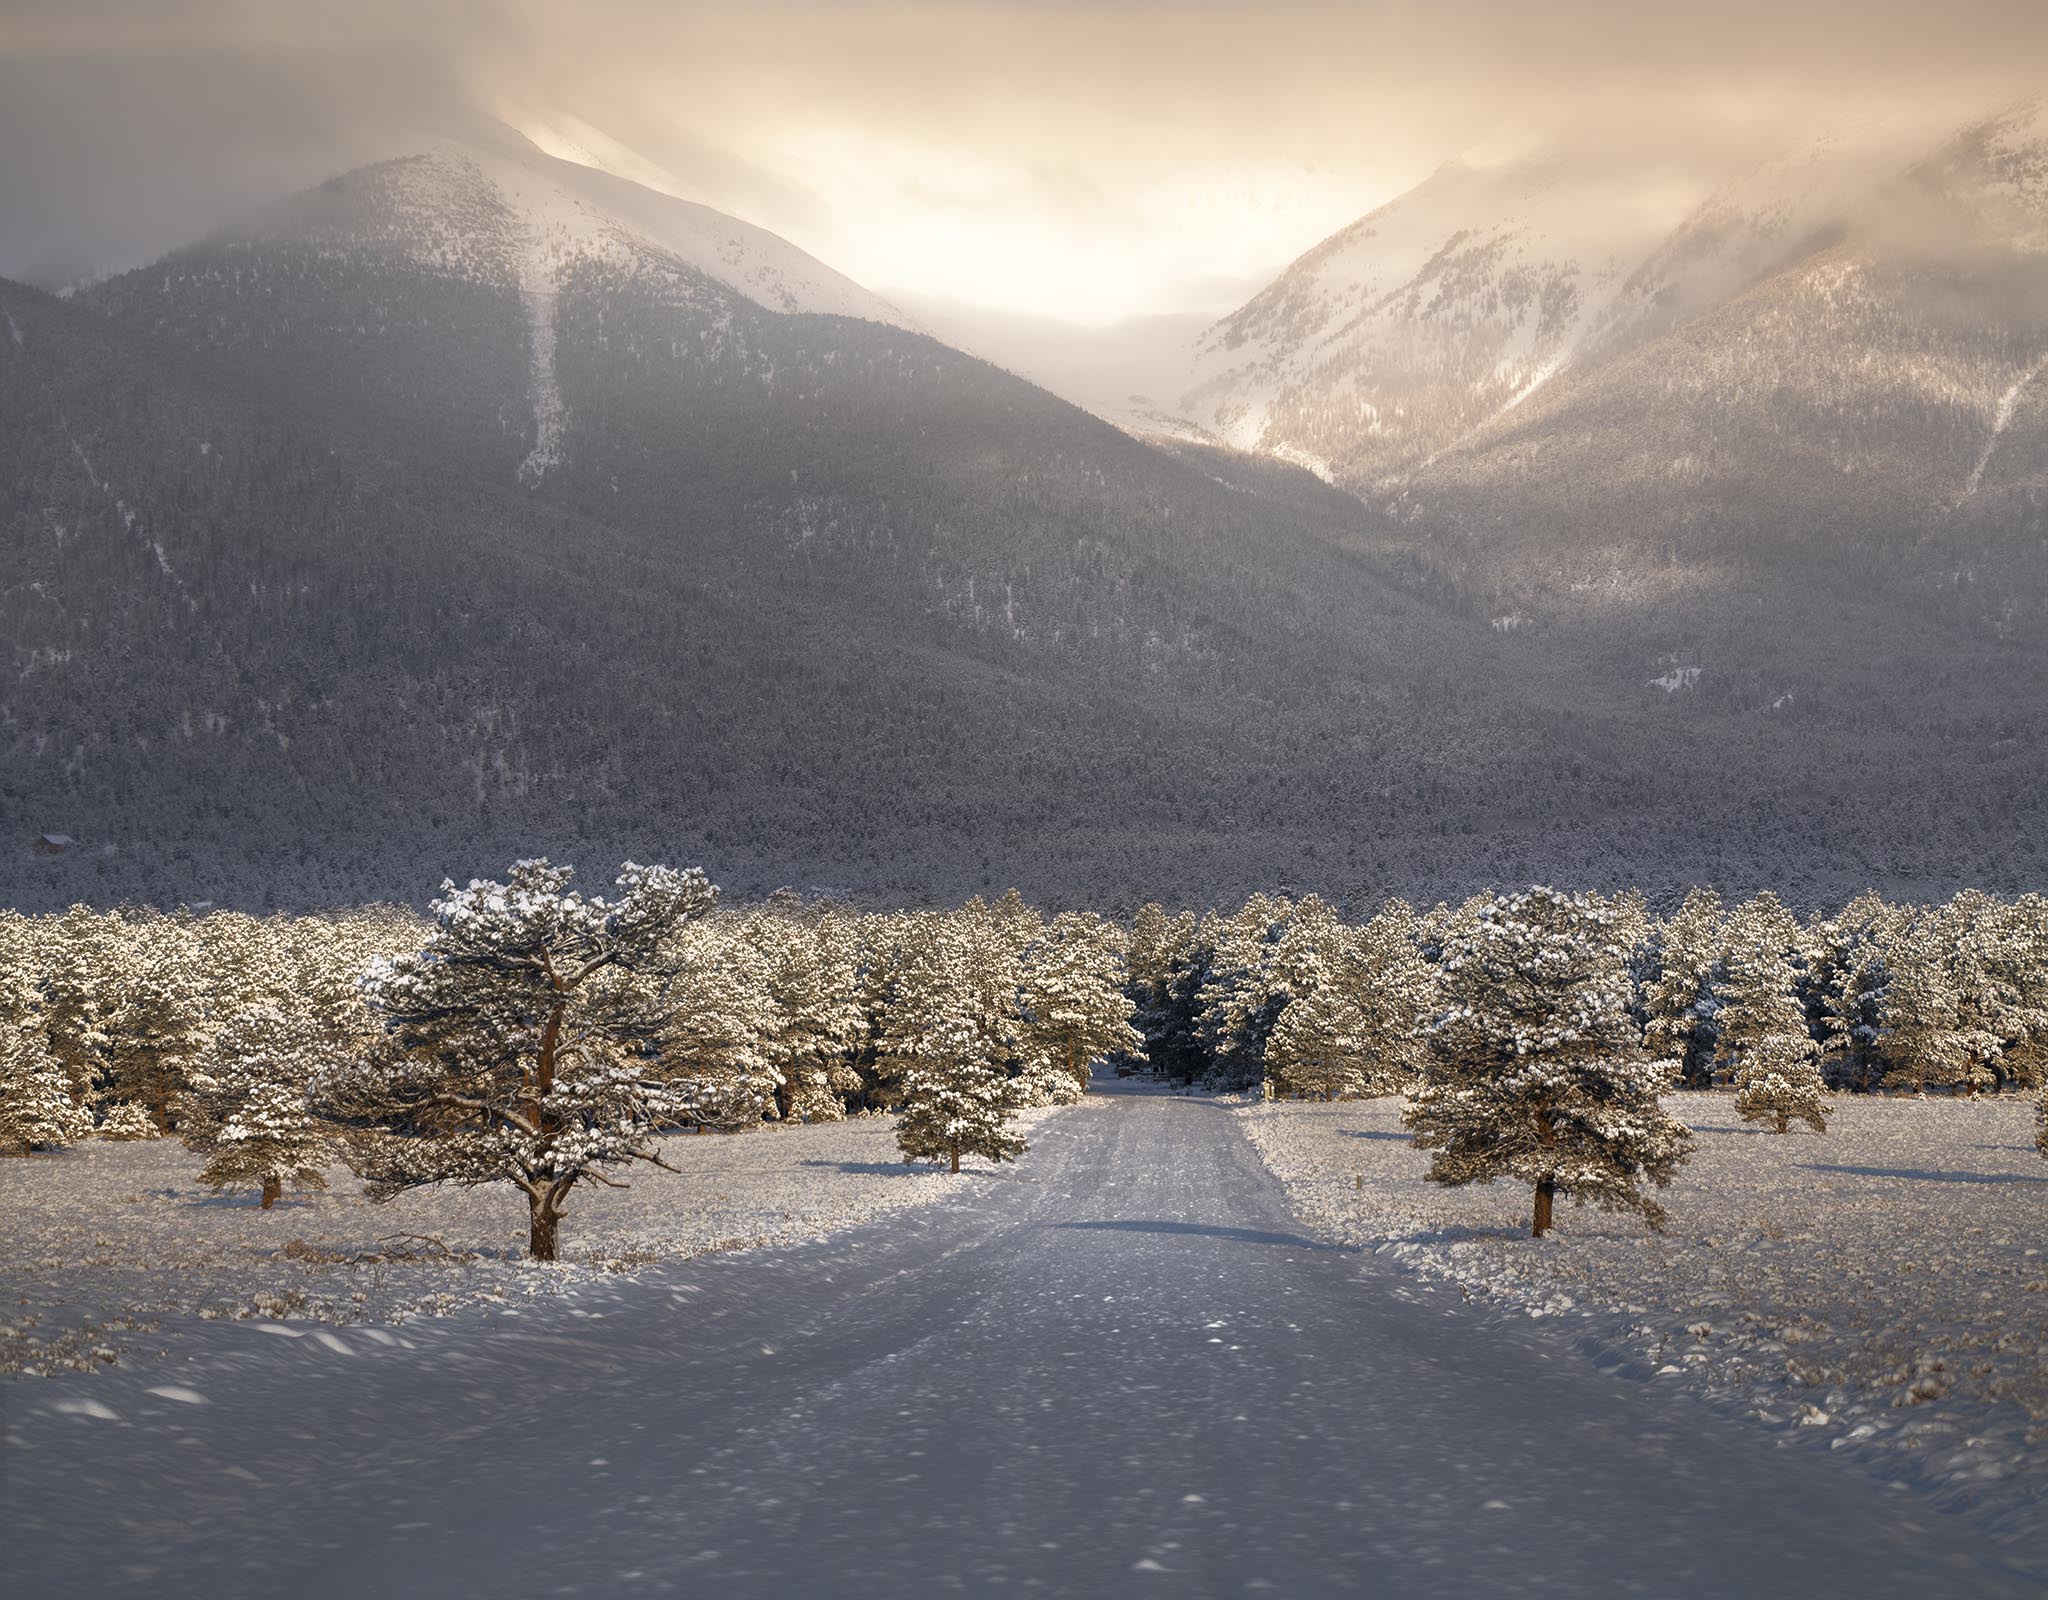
x=1884 y=1288
x=1120 y=1369
x=107 y=1242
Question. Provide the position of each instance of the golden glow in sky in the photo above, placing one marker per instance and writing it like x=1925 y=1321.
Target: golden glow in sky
x=925 y=222
x=1086 y=162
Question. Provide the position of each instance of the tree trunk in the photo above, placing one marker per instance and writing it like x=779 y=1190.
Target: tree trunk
x=1546 y=1194
x=541 y=1228
x=273 y=1186
x=956 y=1160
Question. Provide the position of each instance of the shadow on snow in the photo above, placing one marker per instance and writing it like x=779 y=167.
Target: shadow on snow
x=1924 y=1175
x=1243 y=1235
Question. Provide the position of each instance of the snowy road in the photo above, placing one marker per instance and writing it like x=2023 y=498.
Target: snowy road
x=1121 y=1371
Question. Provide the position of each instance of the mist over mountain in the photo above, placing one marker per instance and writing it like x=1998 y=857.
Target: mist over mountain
x=1834 y=360
x=474 y=505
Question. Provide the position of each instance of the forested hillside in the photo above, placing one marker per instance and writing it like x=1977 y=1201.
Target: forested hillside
x=418 y=525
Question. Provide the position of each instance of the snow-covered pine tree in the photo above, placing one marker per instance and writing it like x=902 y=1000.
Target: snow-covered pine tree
x=1940 y=1022
x=522 y=1040
x=1681 y=997
x=125 y=1120
x=722 y=1024
x=812 y=965
x=1846 y=985
x=1240 y=998
x=1394 y=990
x=1074 y=1008
x=1313 y=1047
x=1538 y=1070
x=1361 y=1000
x=1763 y=1035
x=36 y=1108
x=21 y=1001
x=256 y=1123
x=989 y=943
x=78 y=976
x=1317 y=1055
x=951 y=1071
x=158 y=1014
x=2016 y=959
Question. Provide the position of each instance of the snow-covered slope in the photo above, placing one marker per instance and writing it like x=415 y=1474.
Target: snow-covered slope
x=1876 y=403
x=489 y=209
x=475 y=293
x=1419 y=332
x=1999 y=169
x=1389 y=341
x=1750 y=228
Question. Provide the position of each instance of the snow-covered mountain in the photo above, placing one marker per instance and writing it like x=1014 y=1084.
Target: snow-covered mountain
x=1394 y=338
x=503 y=209
x=1870 y=410
x=1749 y=228
x=1426 y=329
x=435 y=291
x=482 y=502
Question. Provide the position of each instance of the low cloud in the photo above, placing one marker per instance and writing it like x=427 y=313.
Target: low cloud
x=1089 y=161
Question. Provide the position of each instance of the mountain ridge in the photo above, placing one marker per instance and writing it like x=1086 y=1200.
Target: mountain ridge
x=820 y=600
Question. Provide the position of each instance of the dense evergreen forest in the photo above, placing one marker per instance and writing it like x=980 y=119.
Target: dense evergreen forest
x=139 y=1023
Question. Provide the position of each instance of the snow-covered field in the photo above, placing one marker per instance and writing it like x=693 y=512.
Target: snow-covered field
x=105 y=1242
x=1884 y=1287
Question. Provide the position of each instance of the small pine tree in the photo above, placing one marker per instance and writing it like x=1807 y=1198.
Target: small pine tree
x=126 y=1120
x=1538 y=1071
x=79 y=978
x=1311 y=1045
x=36 y=1108
x=953 y=1105
x=2041 y=1120
x=952 y=1080
x=1680 y=998
x=253 y=1119
x=1762 y=1024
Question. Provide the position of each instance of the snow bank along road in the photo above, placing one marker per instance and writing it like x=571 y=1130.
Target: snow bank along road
x=1122 y=1370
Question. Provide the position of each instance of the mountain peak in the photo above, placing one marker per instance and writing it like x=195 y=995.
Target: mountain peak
x=496 y=206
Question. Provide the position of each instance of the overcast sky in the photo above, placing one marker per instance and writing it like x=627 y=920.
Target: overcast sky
x=1086 y=163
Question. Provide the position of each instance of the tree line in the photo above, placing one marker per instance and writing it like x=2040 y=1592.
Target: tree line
x=530 y=1034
